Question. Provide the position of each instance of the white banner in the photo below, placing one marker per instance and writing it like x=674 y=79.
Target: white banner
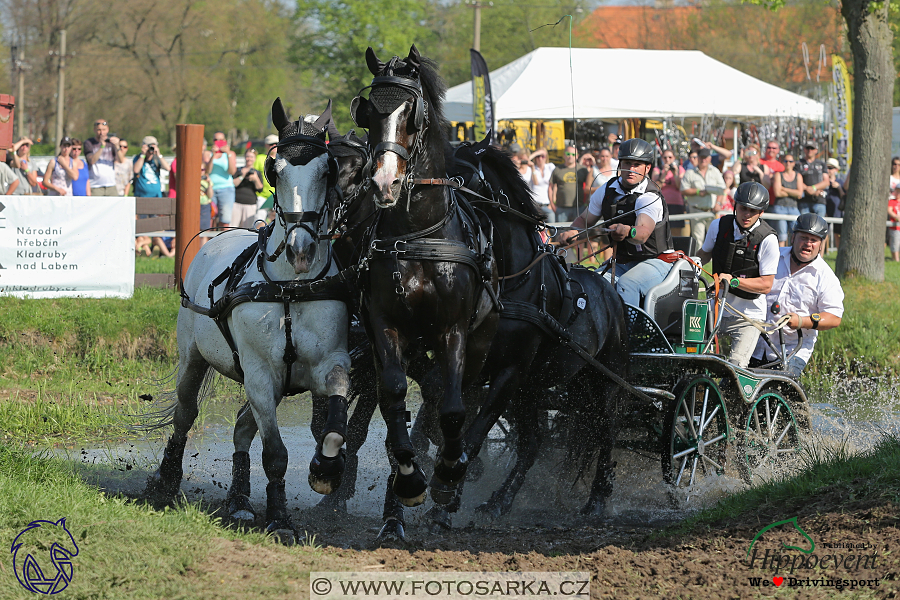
x=54 y=247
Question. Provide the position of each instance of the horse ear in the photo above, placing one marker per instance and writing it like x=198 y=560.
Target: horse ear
x=333 y=132
x=414 y=57
x=279 y=115
x=323 y=120
x=375 y=65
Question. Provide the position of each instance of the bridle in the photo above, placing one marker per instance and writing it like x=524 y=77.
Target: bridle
x=307 y=220
x=345 y=203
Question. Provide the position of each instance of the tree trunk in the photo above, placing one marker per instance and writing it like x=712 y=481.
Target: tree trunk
x=862 y=240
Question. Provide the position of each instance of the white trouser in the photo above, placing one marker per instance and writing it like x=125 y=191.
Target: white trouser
x=739 y=339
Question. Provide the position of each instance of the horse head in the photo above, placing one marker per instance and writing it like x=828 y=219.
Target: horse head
x=302 y=171
x=405 y=98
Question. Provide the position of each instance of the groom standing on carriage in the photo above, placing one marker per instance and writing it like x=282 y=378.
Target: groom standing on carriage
x=638 y=222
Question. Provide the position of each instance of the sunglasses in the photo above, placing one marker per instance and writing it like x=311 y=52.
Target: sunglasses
x=771 y=147
x=832 y=168
x=752 y=153
x=100 y=123
x=895 y=164
x=789 y=161
x=125 y=146
x=76 y=147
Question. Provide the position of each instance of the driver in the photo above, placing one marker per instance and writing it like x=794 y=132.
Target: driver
x=638 y=222
x=744 y=251
x=806 y=288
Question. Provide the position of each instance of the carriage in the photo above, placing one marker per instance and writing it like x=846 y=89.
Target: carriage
x=698 y=411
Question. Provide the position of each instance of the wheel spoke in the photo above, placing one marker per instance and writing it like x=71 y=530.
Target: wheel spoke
x=681 y=472
x=709 y=420
x=769 y=430
x=703 y=412
x=694 y=470
x=718 y=438
x=783 y=433
x=683 y=453
x=756 y=422
x=717 y=466
x=690 y=417
x=680 y=432
x=785 y=450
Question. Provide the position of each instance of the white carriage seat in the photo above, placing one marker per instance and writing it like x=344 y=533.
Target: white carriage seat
x=664 y=302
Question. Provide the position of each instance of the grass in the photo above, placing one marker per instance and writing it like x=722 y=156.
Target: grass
x=873 y=475
x=126 y=550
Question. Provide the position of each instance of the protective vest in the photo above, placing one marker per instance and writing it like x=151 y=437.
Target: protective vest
x=739 y=257
x=616 y=203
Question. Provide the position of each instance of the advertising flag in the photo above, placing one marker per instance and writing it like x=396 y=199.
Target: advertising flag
x=482 y=99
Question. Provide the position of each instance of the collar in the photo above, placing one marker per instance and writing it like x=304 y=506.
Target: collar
x=740 y=231
x=639 y=188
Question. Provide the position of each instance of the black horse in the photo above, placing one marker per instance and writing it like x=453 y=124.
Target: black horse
x=430 y=283
x=554 y=317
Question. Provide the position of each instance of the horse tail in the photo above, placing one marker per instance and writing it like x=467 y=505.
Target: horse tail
x=162 y=408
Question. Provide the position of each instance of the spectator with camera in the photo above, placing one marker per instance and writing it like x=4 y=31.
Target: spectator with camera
x=147 y=166
x=102 y=152
x=23 y=168
x=221 y=166
x=247 y=183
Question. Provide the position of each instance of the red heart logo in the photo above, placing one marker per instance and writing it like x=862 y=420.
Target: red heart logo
x=778 y=580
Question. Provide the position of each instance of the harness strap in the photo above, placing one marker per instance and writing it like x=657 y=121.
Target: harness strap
x=523 y=311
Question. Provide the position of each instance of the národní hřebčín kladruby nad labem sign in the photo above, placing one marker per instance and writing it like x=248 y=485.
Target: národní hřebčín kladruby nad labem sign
x=53 y=247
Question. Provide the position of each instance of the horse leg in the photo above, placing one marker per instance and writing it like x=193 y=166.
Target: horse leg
x=409 y=482
x=525 y=416
x=451 y=462
x=607 y=428
x=237 y=502
x=162 y=486
x=327 y=465
x=392 y=529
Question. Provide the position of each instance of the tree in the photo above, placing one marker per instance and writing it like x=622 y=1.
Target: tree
x=871 y=41
x=334 y=36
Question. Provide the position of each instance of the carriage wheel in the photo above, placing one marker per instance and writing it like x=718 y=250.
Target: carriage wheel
x=771 y=437
x=696 y=433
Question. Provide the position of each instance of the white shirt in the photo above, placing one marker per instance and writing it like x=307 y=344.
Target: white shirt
x=768 y=265
x=541 y=189
x=648 y=203
x=814 y=288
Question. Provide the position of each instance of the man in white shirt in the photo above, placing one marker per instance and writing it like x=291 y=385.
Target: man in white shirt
x=637 y=219
x=744 y=251
x=102 y=152
x=806 y=288
x=700 y=187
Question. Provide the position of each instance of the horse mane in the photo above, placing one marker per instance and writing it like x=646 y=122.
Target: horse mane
x=436 y=89
x=506 y=174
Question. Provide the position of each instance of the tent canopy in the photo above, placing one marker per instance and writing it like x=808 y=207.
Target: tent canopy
x=625 y=83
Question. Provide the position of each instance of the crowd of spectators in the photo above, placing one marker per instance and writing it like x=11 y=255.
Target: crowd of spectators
x=100 y=166
x=705 y=181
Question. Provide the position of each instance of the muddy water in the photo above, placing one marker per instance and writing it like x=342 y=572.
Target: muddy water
x=851 y=418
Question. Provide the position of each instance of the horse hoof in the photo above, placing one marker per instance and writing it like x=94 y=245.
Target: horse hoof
x=440 y=519
x=392 y=532
x=282 y=532
x=160 y=492
x=441 y=493
x=410 y=489
x=325 y=473
x=450 y=475
x=240 y=511
x=488 y=512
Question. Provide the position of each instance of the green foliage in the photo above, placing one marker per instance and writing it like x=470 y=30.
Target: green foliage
x=333 y=38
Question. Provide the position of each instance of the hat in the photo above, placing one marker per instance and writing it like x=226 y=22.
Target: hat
x=271 y=139
x=149 y=140
x=703 y=153
x=811 y=144
x=833 y=162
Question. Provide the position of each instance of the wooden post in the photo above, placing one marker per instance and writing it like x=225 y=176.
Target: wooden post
x=189 y=152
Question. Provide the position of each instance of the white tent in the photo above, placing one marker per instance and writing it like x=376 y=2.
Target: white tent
x=625 y=83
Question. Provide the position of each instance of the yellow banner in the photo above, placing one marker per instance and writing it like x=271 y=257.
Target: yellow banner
x=842 y=144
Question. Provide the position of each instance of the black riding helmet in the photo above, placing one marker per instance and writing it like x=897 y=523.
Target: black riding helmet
x=811 y=223
x=638 y=150
x=753 y=195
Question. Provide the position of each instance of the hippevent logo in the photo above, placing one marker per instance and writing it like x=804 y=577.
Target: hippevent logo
x=812 y=569
x=35 y=571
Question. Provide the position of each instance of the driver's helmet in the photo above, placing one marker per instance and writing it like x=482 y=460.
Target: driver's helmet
x=753 y=195
x=637 y=150
x=811 y=223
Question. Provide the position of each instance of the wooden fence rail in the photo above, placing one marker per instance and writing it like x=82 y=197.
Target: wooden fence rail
x=162 y=219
